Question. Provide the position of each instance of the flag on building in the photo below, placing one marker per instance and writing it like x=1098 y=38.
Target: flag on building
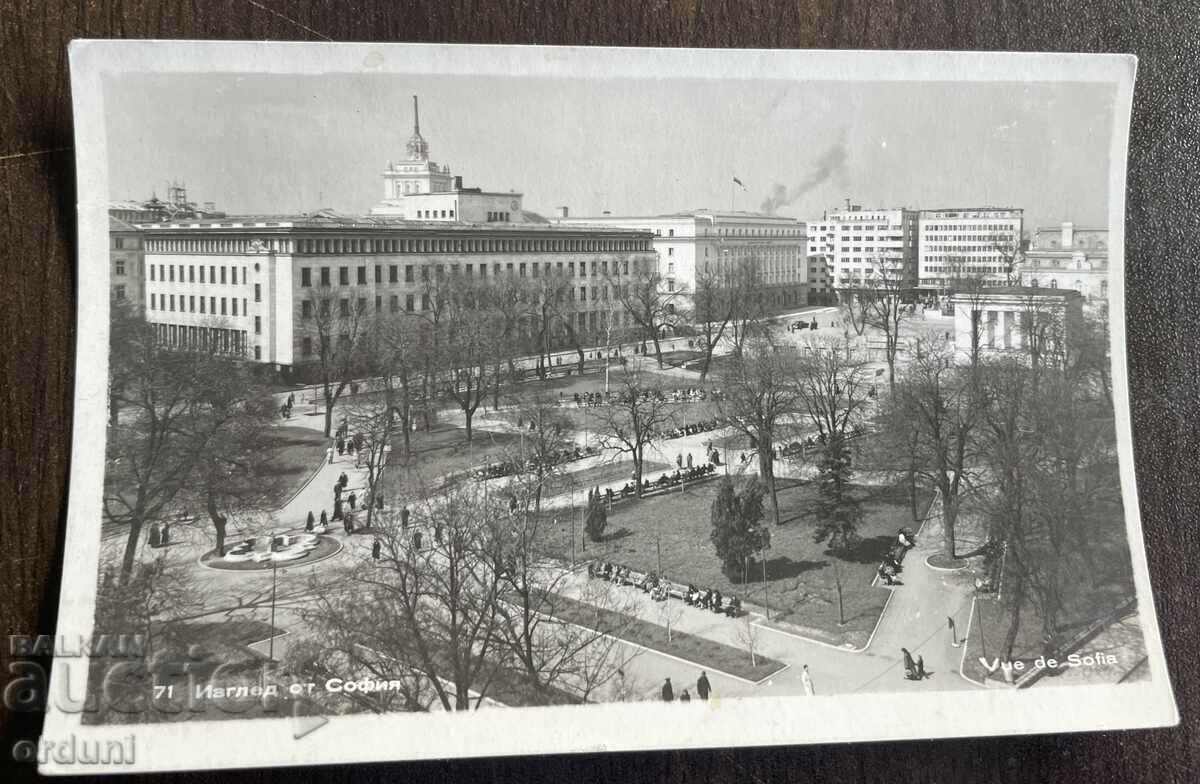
x=739 y=182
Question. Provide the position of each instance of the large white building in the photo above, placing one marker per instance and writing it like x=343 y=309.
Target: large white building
x=977 y=242
x=255 y=286
x=855 y=243
x=689 y=243
x=416 y=188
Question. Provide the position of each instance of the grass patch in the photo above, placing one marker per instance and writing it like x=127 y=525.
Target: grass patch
x=698 y=650
x=609 y=473
x=293 y=455
x=442 y=451
x=800 y=574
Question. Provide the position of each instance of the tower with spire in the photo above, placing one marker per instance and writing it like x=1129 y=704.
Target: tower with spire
x=415 y=174
x=418 y=148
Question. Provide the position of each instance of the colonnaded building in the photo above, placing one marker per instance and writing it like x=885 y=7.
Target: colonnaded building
x=249 y=285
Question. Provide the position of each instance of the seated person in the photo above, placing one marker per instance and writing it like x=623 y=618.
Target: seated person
x=887 y=575
x=716 y=601
x=689 y=594
x=734 y=608
x=906 y=539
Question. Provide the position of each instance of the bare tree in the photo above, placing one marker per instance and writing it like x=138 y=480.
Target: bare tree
x=649 y=305
x=942 y=403
x=747 y=634
x=337 y=322
x=712 y=311
x=884 y=308
x=471 y=339
x=629 y=422
x=748 y=304
x=757 y=398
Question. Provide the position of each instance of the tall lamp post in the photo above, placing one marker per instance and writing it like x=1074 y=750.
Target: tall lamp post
x=274 y=572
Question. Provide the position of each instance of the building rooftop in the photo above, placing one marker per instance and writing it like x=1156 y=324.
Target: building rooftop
x=1021 y=291
x=330 y=220
x=116 y=224
x=698 y=213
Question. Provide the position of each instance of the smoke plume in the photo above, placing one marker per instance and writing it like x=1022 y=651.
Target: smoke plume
x=830 y=163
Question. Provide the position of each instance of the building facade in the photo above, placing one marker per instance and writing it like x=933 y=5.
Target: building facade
x=976 y=242
x=1066 y=257
x=857 y=243
x=252 y=286
x=1014 y=320
x=691 y=245
x=126 y=262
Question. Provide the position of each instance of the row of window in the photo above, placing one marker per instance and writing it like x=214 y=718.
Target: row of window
x=349 y=245
x=196 y=338
x=967 y=227
x=187 y=304
x=187 y=273
x=307 y=308
x=521 y=269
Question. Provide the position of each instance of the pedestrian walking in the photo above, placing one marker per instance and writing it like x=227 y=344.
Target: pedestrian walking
x=921 y=674
x=353 y=499
x=806 y=680
x=329 y=455
x=376 y=549
x=689 y=459
x=309 y=522
x=910 y=666
x=341 y=447
x=702 y=686
x=679 y=459
x=668 y=693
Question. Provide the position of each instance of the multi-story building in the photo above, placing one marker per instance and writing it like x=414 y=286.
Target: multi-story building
x=257 y=285
x=152 y=210
x=983 y=243
x=251 y=285
x=1066 y=257
x=693 y=244
x=126 y=262
x=859 y=243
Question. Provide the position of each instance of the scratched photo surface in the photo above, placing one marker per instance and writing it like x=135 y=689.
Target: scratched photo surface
x=481 y=390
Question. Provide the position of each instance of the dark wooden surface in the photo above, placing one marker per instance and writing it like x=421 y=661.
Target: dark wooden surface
x=37 y=295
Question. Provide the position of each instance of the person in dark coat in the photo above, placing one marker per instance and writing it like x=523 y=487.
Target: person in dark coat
x=668 y=693
x=376 y=550
x=702 y=686
x=353 y=499
x=685 y=697
x=404 y=517
x=416 y=540
x=308 y=523
x=910 y=667
x=324 y=519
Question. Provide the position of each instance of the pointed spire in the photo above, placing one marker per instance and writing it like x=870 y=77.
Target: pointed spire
x=416 y=117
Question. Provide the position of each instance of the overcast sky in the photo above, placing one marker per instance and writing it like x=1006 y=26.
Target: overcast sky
x=274 y=144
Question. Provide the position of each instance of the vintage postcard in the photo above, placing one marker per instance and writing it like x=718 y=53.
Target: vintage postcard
x=439 y=401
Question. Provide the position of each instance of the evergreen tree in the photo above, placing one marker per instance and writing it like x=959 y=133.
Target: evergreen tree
x=596 y=517
x=838 y=512
x=736 y=530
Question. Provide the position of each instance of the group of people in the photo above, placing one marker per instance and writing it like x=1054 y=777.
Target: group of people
x=892 y=564
x=285 y=410
x=712 y=600
x=914 y=670
x=703 y=689
x=703 y=426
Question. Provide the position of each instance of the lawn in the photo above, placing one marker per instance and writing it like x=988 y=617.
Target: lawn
x=1089 y=596
x=600 y=475
x=296 y=454
x=800 y=574
x=698 y=650
x=442 y=451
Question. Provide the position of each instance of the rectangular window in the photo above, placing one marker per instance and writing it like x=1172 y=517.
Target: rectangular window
x=409 y=303
x=393 y=276
x=408 y=273
x=192 y=303
x=152 y=301
x=306 y=347
x=343 y=276
x=222 y=273
x=379 y=273
x=258 y=352
x=362 y=276
x=192 y=273
x=212 y=305
x=424 y=302
x=378 y=303
x=171 y=272
x=202 y=302
x=151 y=272
x=258 y=325
x=258 y=292
x=306 y=309
x=362 y=305
x=305 y=276
x=201 y=273
x=344 y=307
x=395 y=303
x=119 y=291
x=233 y=302
x=120 y=243
x=224 y=307
x=324 y=276
x=172 y=302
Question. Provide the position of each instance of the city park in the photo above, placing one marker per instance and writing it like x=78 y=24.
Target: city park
x=818 y=503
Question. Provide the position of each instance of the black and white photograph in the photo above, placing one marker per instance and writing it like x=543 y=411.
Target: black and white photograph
x=445 y=401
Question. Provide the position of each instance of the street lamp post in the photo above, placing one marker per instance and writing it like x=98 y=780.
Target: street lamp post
x=274 y=572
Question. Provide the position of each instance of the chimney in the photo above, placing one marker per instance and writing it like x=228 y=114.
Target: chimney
x=562 y=212
x=1068 y=234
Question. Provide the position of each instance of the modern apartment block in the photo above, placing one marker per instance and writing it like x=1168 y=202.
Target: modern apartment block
x=857 y=243
x=977 y=242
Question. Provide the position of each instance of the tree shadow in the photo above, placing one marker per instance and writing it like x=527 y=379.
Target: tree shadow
x=867 y=551
x=784 y=568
